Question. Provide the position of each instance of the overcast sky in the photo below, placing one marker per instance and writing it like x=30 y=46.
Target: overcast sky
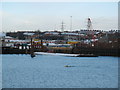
x=49 y=15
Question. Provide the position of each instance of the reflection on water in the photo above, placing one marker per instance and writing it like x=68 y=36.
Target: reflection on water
x=22 y=71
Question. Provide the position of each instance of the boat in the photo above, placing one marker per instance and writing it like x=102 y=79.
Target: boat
x=57 y=54
x=64 y=54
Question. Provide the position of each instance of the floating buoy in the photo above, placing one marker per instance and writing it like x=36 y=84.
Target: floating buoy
x=32 y=55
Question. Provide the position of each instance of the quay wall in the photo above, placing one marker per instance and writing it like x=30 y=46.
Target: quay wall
x=75 y=50
x=97 y=51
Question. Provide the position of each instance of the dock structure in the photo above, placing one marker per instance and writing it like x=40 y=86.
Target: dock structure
x=24 y=48
x=81 y=42
x=32 y=49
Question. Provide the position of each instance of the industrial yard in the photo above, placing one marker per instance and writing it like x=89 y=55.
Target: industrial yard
x=82 y=41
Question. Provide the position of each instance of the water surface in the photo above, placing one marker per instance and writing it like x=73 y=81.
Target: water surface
x=22 y=71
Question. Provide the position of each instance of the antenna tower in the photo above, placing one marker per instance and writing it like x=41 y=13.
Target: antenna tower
x=70 y=23
x=62 y=26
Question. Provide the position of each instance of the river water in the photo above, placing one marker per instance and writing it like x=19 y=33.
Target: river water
x=42 y=71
